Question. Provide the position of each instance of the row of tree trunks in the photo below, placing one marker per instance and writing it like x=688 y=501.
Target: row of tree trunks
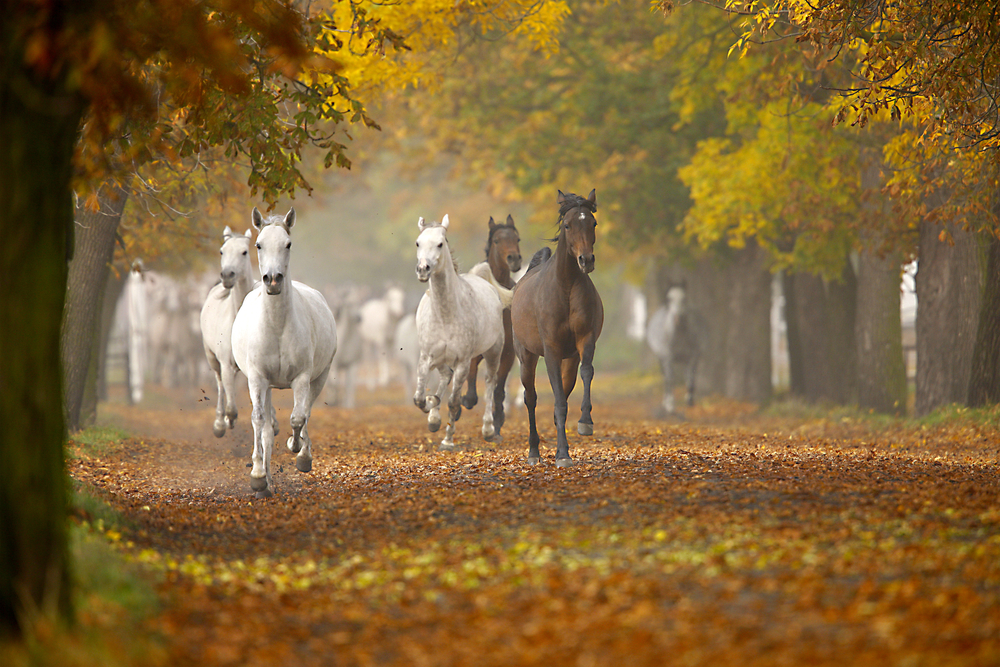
x=94 y=247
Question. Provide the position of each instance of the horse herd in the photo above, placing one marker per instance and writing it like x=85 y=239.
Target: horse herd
x=282 y=334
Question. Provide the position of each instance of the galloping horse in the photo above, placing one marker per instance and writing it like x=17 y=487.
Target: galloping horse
x=284 y=337
x=558 y=314
x=503 y=254
x=217 y=317
x=673 y=334
x=459 y=317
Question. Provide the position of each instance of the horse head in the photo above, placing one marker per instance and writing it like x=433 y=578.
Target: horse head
x=577 y=223
x=504 y=243
x=235 y=253
x=432 y=244
x=274 y=246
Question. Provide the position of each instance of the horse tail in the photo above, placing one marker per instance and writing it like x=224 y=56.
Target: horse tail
x=482 y=270
x=539 y=257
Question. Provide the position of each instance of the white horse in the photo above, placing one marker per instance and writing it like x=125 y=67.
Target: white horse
x=217 y=317
x=284 y=337
x=377 y=327
x=458 y=318
x=674 y=335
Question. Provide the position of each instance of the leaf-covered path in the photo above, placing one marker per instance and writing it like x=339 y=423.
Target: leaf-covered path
x=773 y=542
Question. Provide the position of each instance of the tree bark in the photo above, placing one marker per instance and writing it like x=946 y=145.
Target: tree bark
x=94 y=249
x=948 y=285
x=879 y=335
x=748 y=339
x=820 y=316
x=984 y=382
x=39 y=124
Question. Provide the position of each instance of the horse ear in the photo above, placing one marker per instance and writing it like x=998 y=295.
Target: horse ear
x=227 y=233
x=289 y=218
x=248 y=233
x=510 y=220
x=560 y=198
x=592 y=197
x=444 y=221
x=420 y=224
x=492 y=224
x=256 y=219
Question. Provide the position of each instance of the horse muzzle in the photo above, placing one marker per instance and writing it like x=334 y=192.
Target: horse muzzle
x=273 y=283
x=423 y=272
x=514 y=263
x=586 y=263
x=228 y=279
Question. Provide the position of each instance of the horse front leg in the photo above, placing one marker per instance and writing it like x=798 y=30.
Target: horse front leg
x=447 y=384
x=586 y=424
x=420 y=391
x=229 y=388
x=219 y=425
x=667 y=368
x=490 y=409
x=554 y=367
x=263 y=437
x=503 y=370
x=529 y=362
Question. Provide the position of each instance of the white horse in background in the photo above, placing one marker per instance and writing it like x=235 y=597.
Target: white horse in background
x=458 y=318
x=674 y=335
x=342 y=382
x=284 y=337
x=378 y=326
x=217 y=317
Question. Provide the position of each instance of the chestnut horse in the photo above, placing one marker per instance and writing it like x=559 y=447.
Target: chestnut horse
x=503 y=254
x=557 y=314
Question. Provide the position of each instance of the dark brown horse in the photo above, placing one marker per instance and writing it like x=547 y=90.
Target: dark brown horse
x=558 y=314
x=503 y=254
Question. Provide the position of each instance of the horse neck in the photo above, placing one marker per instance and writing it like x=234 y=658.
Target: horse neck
x=277 y=308
x=444 y=286
x=500 y=269
x=566 y=267
x=243 y=286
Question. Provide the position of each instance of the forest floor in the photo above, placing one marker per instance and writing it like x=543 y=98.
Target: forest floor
x=733 y=537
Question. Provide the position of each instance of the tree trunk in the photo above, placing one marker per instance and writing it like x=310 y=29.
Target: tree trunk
x=708 y=295
x=879 y=335
x=984 y=382
x=820 y=316
x=39 y=123
x=948 y=285
x=748 y=339
x=88 y=276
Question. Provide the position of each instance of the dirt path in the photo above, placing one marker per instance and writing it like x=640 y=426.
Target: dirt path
x=780 y=542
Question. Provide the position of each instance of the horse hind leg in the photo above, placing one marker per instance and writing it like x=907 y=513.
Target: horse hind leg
x=228 y=385
x=219 y=425
x=471 y=397
x=529 y=362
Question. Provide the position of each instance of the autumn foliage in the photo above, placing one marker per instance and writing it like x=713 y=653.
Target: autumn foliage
x=815 y=539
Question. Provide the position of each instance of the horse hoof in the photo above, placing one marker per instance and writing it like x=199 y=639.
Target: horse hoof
x=294 y=446
x=584 y=429
x=469 y=403
x=533 y=460
x=304 y=465
x=219 y=429
x=565 y=463
x=266 y=493
x=433 y=425
x=258 y=484
x=447 y=448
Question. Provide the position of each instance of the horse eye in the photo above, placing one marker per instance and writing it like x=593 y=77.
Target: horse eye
x=258 y=246
x=288 y=246
x=441 y=245
x=244 y=252
x=220 y=252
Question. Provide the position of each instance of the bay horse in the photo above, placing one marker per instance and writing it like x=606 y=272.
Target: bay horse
x=284 y=337
x=557 y=314
x=459 y=317
x=217 y=317
x=503 y=255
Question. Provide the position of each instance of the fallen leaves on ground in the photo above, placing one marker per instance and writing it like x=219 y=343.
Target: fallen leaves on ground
x=767 y=542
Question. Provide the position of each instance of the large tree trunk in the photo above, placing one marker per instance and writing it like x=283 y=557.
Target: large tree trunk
x=707 y=295
x=88 y=277
x=984 y=383
x=820 y=317
x=948 y=285
x=878 y=327
x=38 y=129
x=748 y=343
